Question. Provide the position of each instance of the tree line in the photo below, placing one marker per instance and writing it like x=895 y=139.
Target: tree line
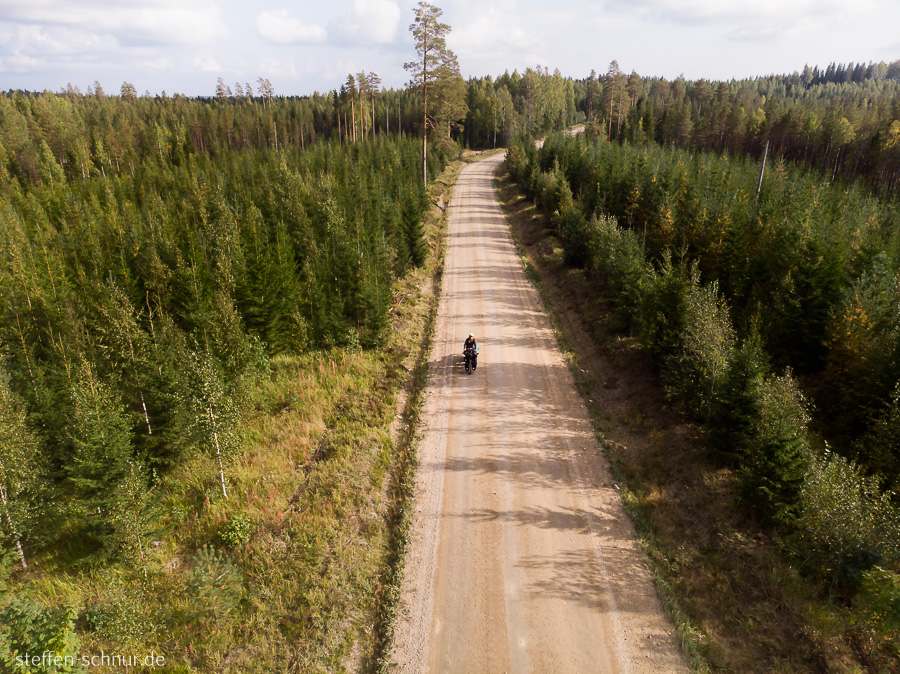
x=843 y=121
x=98 y=133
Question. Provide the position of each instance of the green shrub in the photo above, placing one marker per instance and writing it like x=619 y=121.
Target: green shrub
x=846 y=524
x=125 y=616
x=880 y=597
x=236 y=531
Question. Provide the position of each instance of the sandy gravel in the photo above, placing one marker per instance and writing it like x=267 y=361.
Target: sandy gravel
x=522 y=558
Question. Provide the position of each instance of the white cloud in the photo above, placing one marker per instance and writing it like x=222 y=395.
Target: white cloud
x=207 y=64
x=30 y=46
x=134 y=21
x=282 y=28
x=494 y=32
x=492 y=41
x=368 y=22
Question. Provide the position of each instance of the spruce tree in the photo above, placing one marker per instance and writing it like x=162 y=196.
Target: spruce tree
x=134 y=517
x=100 y=436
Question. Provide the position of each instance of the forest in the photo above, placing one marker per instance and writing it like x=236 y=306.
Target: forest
x=170 y=267
x=154 y=277
x=841 y=121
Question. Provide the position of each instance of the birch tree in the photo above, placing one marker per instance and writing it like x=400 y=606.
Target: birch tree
x=19 y=470
x=214 y=414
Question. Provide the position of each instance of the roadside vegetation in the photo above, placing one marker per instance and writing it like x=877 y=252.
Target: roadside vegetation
x=768 y=501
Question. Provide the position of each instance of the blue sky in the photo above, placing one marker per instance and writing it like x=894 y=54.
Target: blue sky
x=300 y=47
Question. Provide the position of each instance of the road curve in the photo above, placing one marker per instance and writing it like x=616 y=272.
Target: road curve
x=521 y=557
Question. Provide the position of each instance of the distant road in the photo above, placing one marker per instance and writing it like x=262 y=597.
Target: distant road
x=522 y=558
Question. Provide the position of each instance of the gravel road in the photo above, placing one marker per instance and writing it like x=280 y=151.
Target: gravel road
x=522 y=558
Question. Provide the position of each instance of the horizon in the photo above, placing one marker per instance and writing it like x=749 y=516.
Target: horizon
x=493 y=77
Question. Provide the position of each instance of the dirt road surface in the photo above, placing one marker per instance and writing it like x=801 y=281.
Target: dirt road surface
x=521 y=558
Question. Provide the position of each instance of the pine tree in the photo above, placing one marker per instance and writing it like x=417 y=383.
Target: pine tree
x=611 y=92
x=374 y=88
x=434 y=63
x=128 y=91
x=349 y=92
x=591 y=94
x=363 y=93
x=449 y=96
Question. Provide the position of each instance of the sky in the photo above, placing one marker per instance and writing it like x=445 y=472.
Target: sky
x=184 y=46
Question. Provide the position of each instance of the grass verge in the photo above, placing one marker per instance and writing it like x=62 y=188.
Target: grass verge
x=402 y=484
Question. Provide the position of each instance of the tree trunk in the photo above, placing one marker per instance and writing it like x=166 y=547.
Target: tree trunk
x=612 y=98
x=762 y=170
x=12 y=528
x=619 y=115
x=425 y=134
x=218 y=456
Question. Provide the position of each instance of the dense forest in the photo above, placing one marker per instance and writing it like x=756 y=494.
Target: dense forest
x=150 y=271
x=843 y=121
x=96 y=133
